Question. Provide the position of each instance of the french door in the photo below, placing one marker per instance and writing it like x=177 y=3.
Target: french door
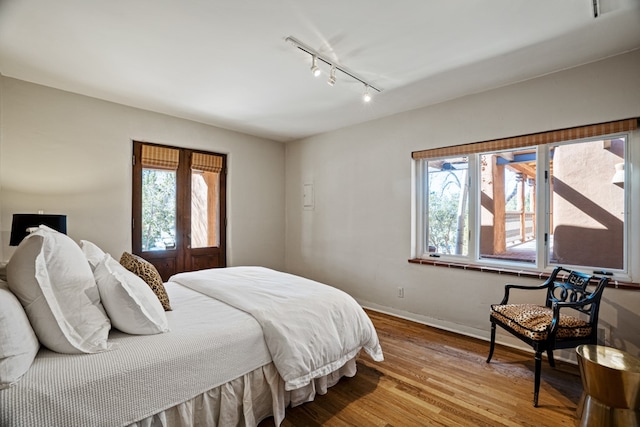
x=179 y=208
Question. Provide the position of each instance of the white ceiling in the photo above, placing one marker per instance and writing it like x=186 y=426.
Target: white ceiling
x=226 y=62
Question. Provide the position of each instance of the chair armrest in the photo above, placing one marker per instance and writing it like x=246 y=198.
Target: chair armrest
x=544 y=285
x=510 y=286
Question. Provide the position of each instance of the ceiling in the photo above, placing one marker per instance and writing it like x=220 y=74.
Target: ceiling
x=226 y=62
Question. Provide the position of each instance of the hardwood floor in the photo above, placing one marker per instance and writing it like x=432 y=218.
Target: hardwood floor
x=434 y=377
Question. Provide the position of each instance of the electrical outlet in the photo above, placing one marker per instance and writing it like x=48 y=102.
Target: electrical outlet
x=400 y=292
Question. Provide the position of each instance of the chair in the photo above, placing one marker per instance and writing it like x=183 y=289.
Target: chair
x=544 y=327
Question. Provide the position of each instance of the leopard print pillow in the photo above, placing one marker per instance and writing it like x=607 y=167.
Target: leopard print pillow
x=147 y=272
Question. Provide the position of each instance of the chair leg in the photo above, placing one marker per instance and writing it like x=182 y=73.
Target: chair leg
x=552 y=362
x=536 y=386
x=493 y=341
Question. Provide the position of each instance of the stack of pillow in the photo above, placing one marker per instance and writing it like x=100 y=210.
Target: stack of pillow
x=67 y=296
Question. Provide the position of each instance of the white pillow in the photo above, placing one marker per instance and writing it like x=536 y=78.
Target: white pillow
x=130 y=303
x=92 y=252
x=18 y=342
x=53 y=281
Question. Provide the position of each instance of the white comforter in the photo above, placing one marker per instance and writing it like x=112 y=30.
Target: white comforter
x=310 y=328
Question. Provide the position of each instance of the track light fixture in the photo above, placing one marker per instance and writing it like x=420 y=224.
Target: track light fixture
x=332 y=77
x=315 y=56
x=366 y=96
x=315 y=70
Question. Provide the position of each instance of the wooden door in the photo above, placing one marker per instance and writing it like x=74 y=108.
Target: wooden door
x=205 y=227
x=179 y=208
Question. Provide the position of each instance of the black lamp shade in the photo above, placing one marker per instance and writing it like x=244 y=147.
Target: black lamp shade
x=23 y=221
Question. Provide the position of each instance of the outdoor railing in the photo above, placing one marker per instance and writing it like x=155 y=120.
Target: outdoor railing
x=519 y=227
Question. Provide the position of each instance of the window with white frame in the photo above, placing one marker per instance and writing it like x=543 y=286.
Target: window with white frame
x=534 y=202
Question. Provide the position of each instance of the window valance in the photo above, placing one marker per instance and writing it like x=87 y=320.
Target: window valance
x=531 y=139
x=158 y=157
x=206 y=162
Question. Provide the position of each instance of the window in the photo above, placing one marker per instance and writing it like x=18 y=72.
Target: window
x=550 y=199
x=179 y=204
x=158 y=216
x=205 y=200
x=448 y=206
x=507 y=205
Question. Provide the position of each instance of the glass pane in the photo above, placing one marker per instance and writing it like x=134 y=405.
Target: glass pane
x=158 y=209
x=507 y=215
x=448 y=206
x=205 y=216
x=588 y=204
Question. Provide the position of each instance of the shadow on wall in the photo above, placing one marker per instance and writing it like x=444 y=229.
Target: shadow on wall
x=625 y=327
x=596 y=247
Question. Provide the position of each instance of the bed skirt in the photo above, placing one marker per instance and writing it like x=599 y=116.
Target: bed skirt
x=244 y=401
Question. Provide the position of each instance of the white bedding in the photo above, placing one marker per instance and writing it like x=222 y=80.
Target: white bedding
x=209 y=344
x=214 y=355
x=311 y=329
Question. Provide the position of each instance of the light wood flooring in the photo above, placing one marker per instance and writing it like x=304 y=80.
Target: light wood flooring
x=434 y=377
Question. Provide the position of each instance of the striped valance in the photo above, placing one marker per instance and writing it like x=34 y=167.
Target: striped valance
x=532 y=139
x=157 y=157
x=206 y=162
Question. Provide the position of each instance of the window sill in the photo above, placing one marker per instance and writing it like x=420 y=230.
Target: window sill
x=511 y=272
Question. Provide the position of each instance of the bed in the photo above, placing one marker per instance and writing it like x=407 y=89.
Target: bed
x=239 y=344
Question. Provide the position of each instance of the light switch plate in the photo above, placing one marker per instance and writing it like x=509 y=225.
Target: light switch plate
x=308 y=197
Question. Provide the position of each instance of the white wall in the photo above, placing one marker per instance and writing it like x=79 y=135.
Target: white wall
x=358 y=237
x=71 y=154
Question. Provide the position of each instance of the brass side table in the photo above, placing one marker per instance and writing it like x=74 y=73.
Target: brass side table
x=611 y=381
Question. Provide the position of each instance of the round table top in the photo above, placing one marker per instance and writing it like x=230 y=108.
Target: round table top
x=609 y=357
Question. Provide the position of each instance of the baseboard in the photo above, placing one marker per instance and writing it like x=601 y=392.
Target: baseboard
x=566 y=355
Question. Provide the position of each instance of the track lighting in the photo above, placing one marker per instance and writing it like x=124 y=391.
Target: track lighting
x=332 y=76
x=366 y=96
x=315 y=56
x=314 y=66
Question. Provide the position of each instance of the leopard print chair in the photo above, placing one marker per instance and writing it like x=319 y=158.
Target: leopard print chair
x=544 y=327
